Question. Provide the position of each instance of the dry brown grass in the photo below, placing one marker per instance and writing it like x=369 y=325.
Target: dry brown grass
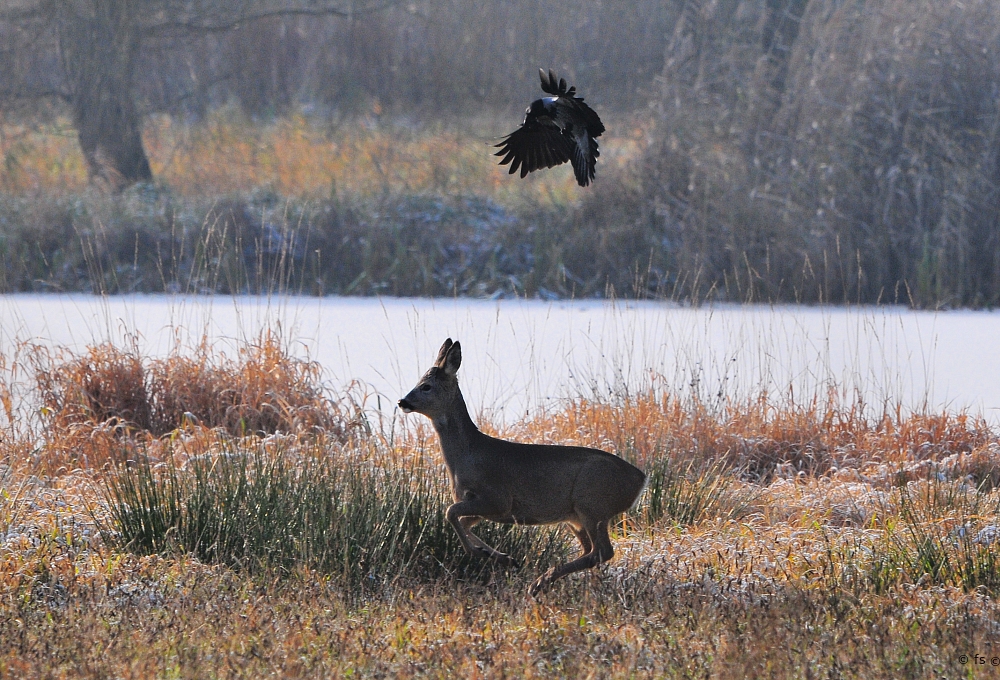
x=827 y=572
x=299 y=157
x=91 y=403
x=761 y=438
x=161 y=618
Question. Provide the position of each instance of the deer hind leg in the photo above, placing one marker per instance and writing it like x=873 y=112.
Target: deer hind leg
x=593 y=535
x=584 y=538
x=463 y=516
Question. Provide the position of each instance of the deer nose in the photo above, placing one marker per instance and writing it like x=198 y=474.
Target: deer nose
x=406 y=406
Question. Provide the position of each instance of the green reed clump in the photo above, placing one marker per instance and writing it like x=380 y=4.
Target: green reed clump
x=942 y=533
x=927 y=557
x=685 y=493
x=966 y=555
x=277 y=511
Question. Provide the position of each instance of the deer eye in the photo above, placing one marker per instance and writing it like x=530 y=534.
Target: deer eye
x=425 y=388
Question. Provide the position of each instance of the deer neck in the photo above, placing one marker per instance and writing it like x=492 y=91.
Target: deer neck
x=456 y=432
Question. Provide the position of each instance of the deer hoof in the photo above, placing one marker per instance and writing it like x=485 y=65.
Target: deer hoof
x=485 y=551
x=505 y=560
x=543 y=582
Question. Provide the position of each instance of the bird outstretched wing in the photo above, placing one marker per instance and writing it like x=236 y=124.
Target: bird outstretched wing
x=584 y=159
x=534 y=146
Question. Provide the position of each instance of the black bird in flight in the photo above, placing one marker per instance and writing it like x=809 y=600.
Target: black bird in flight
x=556 y=129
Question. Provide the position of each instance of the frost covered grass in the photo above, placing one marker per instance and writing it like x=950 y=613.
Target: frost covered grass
x=776 y=539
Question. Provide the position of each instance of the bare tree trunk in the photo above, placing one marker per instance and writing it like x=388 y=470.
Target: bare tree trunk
x=98 y=43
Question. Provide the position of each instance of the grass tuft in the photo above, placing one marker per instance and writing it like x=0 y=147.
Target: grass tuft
x=94 y=399
x=685 y=495
x=279 y=511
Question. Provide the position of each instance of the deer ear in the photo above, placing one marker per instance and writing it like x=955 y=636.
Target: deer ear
x=453 y=360
x=442 y=353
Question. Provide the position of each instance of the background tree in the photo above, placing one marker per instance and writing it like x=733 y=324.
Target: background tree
x=85 y=53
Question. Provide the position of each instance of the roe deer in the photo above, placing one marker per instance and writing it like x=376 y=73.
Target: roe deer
x=521 y=483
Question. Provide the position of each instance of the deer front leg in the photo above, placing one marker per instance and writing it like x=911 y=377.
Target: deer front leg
x=467 y=524
x=480 y=546
x=467 y=513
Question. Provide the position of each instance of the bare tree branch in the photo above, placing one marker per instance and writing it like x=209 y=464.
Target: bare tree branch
x=21 y=94
x=21 y=14
x=237 y=14
x=220 y=27
x=204 y=16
